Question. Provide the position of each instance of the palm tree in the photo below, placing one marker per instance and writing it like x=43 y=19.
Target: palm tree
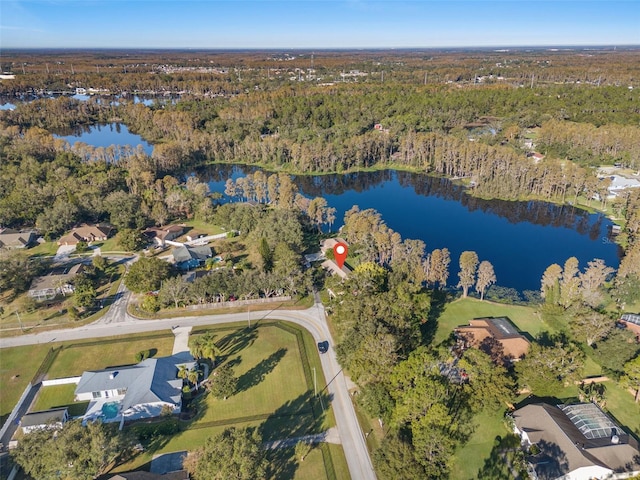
x=183 y=372
x=194 y=375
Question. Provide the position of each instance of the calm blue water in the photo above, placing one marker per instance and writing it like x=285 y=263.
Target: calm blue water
x=107 y=135
x=520 y=239
x=110 y=410
x=7 y=106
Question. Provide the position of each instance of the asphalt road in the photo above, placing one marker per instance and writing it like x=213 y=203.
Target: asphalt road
x=117 y=322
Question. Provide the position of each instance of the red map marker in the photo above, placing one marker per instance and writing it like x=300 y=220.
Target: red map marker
x=340 y=253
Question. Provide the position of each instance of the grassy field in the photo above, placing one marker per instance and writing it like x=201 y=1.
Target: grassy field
x=17 y=367
x=274 y=365
x=56 y=396
x=470 y=458
x=112 y=351
x=621 y=405
x=460 y=311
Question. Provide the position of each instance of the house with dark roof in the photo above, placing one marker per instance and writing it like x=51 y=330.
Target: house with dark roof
x=11 y=239
x=187 y=257
x=159 y=235
x=87 y=233
x=576 y=442
x=54 y=418
x=133 y=392
x=498 y=329
x=58 y=282
x=632 y=322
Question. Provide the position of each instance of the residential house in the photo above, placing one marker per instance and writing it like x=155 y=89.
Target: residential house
x=57 y=282
x=54 y=418
x=632 y=322
x=187 y=257
x=133 y=392
x=87 y=233
x=142 y=475
x=10 y=239
x=576 y=442
x=499 y=329
x=160 y=235
x=331 y=265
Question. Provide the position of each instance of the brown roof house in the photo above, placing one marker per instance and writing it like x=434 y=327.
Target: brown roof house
x=161 y=234
x=575 y=442
x=87 y=233
x=57 y=282
x=498 y=331
x=10 y=239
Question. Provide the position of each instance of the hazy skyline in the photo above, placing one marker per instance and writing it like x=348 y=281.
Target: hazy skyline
x=315 y=24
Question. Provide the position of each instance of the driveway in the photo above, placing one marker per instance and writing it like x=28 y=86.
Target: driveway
x=63 y=252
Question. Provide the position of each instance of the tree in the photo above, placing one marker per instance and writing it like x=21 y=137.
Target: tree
x=204 y=346
x=570 y=283
x=547 y=369
x=84 y=293
x=396 y=458
x=302 y=449
x=236 y=453
x=631 y=378
x=17 y=270
x=438 y=268
x=173 y=290
x=224 y=383
x=266 y=254
x=592 y=281
x=131 y=239
x=486 y=277
x=147 y=274
x=616 y=349
x=467 y=274
x=489 y=384
x=73 y=451
x=124 y=210
x=589 y=325
x=550 y=289
x=99 y=262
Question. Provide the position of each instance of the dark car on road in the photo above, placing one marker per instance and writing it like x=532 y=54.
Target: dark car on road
x=323 y=347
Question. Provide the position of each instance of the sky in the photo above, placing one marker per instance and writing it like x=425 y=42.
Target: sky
x=243 y=24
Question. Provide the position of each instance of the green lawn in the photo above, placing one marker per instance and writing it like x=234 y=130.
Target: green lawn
x=44 y=249
x=18 y=365
x=470 y=458
x=59 y=396
x=111 y=351
x=621 y=405
x=459 y=312
x=204 y=227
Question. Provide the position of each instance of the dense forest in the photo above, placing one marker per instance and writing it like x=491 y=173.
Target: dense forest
x=476 y=117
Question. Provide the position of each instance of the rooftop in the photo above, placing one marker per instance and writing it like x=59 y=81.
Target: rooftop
x=631 y=318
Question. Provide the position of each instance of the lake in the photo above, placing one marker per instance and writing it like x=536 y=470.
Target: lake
x=520 y=239
x=105 y=135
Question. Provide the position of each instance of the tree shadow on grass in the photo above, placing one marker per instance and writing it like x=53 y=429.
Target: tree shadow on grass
x=505 y=456
x=236 y=341
x=282 y=463
x=428 y=329
x=256 y=374
x=302 y=416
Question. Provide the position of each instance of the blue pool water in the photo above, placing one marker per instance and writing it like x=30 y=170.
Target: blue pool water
x=110 y=410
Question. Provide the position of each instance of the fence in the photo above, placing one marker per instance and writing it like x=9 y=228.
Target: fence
x=61 y=381
x=238 y=303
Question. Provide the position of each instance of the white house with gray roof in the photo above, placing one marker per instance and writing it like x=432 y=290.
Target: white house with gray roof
x=133 y=392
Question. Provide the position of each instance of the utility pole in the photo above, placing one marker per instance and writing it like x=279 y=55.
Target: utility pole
x=47 y=68
x=248 y=317
x=315 y=385
x=23 y=68
x=20 y=321
x=72 y=72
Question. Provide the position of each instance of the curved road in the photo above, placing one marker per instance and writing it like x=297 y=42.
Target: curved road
x=118 y=322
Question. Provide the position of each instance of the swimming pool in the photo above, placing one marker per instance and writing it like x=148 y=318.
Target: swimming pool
x=110 y=410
